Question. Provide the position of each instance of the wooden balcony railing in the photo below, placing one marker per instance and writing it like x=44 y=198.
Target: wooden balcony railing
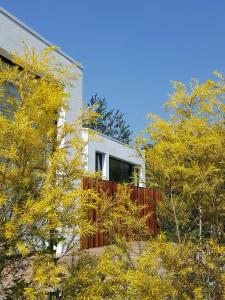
x=143 y=196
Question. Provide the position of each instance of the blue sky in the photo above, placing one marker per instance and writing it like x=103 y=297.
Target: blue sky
x=131 y=50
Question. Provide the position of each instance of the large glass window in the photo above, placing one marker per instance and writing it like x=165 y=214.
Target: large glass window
x=121 y=171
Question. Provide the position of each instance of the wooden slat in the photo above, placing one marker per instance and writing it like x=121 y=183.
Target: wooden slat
x=142 y=196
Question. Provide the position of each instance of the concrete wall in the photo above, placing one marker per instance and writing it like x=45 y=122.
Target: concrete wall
x=12 y=31
x=110 y=147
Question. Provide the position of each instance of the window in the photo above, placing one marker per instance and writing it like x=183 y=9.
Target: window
x=9 y=99
x=98 y=162
x=121 y=171
x=9 y=95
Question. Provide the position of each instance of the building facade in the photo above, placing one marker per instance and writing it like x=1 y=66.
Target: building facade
x=116 y=161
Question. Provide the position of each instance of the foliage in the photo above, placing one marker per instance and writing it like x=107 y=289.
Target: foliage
x=121 y=217
x=160 y=270
x=97 y=277
x=187 y=164
x=187 y=159
x=102 y=276
x=40 y=162
x=42 y=205
x=109 y=121
x=135 y=269
x=183 y=271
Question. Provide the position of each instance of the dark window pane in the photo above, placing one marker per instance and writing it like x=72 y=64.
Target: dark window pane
x=120 y=171
x=98 y=162
x=9 y=95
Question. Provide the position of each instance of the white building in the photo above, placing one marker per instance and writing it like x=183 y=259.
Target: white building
x=115 y=160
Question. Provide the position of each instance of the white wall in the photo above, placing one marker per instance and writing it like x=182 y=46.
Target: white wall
x=13 y=31
x=110 y=147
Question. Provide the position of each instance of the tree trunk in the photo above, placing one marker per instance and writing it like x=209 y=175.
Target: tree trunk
x=200 y=224
x=175 y=217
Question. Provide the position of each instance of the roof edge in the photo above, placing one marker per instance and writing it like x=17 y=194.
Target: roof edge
x=37 y=35
x=109 y=137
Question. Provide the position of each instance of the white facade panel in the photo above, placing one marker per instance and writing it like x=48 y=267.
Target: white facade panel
x=110 y=147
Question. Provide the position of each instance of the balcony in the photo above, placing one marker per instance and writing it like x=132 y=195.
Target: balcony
x=143 y=196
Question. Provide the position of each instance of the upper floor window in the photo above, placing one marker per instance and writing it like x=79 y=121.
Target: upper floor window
x=121 y=171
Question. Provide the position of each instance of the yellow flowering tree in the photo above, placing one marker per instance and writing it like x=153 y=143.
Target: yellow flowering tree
x=41 y=163
x=42 y=203
x=186 y=161
x=157 y=270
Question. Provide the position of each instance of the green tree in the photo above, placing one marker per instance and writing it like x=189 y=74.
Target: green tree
x=109 y=121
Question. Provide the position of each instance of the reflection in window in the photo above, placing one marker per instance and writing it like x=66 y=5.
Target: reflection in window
x=9 y=97
x=121 y=171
